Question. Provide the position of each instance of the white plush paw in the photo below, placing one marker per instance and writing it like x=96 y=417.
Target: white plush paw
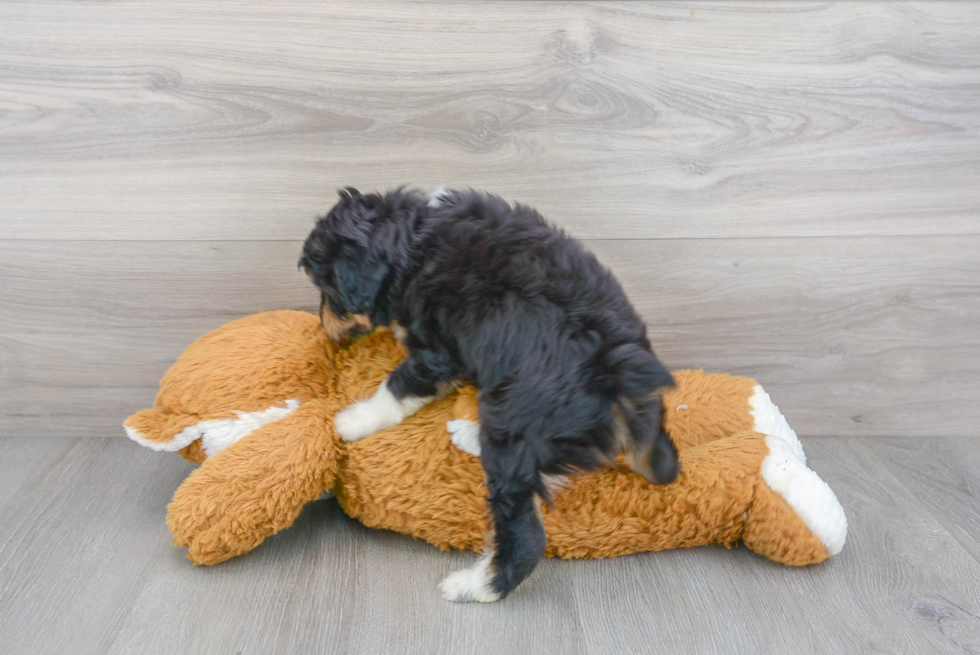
x=470 y=585
x=769 y=420
x=465 y=435
x=357 y=421
x=803 y=490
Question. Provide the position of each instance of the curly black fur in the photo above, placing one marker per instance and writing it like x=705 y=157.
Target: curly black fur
x=491 y=292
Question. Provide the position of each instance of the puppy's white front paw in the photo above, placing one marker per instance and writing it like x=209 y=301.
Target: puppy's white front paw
x=470 y=585
x=465 y=435
x=356 y=422
x=380 y=411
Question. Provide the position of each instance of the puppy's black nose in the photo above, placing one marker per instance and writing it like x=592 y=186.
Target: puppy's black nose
x=663 y=460
x=657 y=461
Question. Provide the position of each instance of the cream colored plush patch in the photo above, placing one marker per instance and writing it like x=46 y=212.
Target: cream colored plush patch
x=809 y=496
x=218 y=434
x=177 y=443
x=769 y=420
x=465 y=435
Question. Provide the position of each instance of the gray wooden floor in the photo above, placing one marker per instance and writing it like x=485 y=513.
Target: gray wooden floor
x=86 y=566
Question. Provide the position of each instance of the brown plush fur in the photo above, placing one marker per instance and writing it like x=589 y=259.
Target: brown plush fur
x=412 y=479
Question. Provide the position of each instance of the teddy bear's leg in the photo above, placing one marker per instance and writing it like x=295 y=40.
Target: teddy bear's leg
x=703 y=407
x=613 y=512
x=256 y=487
x=795 y=517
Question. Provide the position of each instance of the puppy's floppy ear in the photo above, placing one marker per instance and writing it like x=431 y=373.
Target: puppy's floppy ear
x=359 y=283
x=352 y=219
x=637 y=372
x=348 y=193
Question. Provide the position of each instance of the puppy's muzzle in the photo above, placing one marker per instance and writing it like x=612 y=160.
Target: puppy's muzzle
x=342 y=329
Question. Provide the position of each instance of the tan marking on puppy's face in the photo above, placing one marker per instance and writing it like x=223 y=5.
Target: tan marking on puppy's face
x=621 y=429
x=637 y=459
x=339 y=329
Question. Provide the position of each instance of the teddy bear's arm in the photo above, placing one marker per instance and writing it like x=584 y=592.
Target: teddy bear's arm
x=255 y=487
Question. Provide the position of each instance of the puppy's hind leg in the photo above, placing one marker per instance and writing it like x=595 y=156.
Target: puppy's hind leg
x=518 y=540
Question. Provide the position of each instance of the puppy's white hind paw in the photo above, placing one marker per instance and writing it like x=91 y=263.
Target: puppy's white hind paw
x=465 y=435
x=470 y=585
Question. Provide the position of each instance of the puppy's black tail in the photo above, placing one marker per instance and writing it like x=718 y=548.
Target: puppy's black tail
x=639 y=379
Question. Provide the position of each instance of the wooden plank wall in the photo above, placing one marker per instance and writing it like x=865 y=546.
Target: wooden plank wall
x=787 y=190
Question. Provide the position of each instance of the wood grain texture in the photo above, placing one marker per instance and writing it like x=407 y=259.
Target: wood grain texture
x=232 y=121
x=788 y=189
x=86 y=566
x=89 y=526
x=870 y=336
x=925 y=598
x=944 y=474
x=891 y=589
x=24 y=461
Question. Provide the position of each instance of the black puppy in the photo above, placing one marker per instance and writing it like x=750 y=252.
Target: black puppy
x=483 y=290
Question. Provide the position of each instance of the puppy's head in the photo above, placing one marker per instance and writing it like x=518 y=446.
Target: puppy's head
x=342 y=261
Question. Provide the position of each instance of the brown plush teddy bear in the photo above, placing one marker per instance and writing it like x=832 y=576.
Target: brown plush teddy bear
x=252 y=402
